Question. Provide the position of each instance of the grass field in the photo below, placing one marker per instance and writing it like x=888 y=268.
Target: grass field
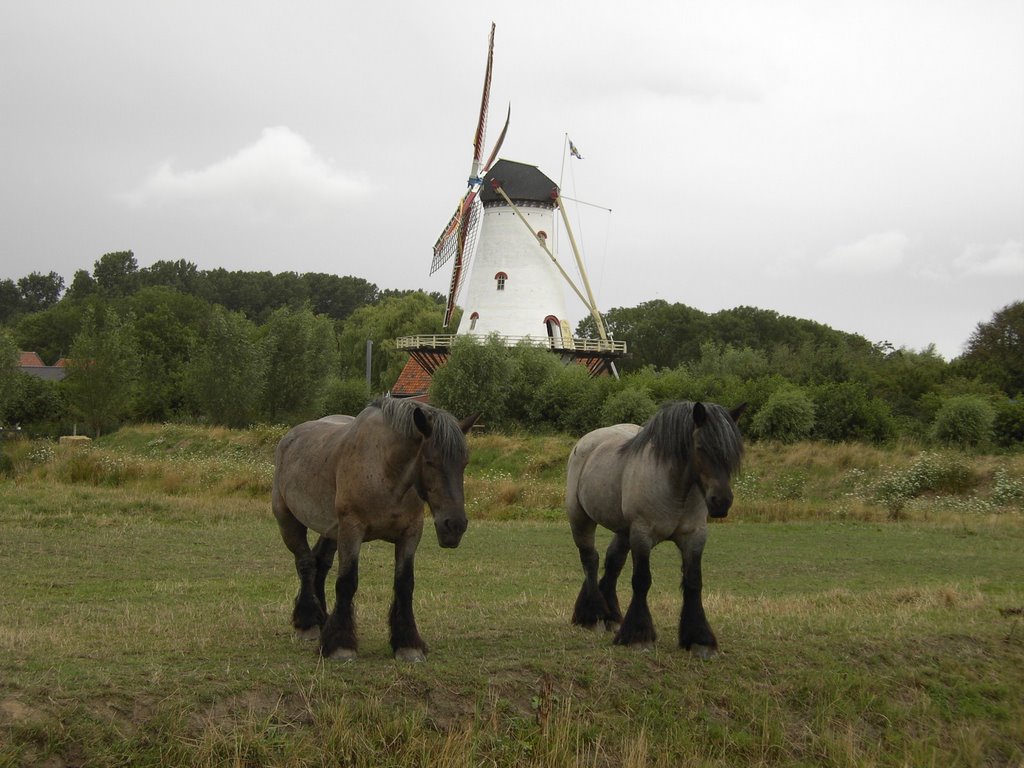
x=144 y=620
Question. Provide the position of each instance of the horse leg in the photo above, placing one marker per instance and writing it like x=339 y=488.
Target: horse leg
x=308 y=614
x=614 y=559
x=406 y=642
x=338 y=636
x=590 y=606
x=323 y=553
x=695 y=633
x=637 y=630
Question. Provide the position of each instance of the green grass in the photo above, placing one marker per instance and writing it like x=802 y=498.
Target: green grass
x=144 y=620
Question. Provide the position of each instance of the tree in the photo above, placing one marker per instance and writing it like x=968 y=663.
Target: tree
x=10 y=300
x=116 y=274
x=167 y=327
x=10 y=374
x=180 y=275
x=40 y=407
x=102 y=370
x=82 y=285
x=411 y=314
x=657 y=333
x=301 y=352
x=51 y=332
x=227 y=372
x=338 y=297
x=40 y=291
x=995 y=350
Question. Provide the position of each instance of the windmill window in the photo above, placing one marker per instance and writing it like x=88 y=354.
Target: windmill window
x=472 y=320
x=500 y=278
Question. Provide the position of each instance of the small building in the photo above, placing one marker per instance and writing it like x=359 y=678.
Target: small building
x=33 y=365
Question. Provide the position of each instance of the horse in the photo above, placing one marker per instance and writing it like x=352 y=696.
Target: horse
x=648 y=485
x=364 y=478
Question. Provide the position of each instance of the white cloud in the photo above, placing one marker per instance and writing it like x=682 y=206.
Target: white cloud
x=881 y=252
x=992 y=260
x=280 y=173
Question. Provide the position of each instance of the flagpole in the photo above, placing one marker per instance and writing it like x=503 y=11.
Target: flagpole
x=561 y=172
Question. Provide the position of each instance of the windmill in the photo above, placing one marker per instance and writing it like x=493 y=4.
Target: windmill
x=458 y=238
x=516 y=287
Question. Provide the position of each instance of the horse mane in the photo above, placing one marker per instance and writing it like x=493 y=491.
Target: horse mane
x=669 y=433
x=447 y=434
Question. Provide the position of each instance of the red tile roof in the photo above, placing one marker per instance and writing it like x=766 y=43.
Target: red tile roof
x=30 y=360
x=413 y=381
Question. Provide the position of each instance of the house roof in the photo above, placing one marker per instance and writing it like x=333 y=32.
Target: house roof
x=521 y=182
x=32 y=364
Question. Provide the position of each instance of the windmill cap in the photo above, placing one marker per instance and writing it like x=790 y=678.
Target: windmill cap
x=521 y=182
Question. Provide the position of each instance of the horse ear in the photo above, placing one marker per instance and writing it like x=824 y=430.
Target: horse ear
x=700 y=414
x=467 y=423
x=422 y=422
x=738 y=411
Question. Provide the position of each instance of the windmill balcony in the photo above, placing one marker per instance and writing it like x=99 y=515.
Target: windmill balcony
x=444 y=341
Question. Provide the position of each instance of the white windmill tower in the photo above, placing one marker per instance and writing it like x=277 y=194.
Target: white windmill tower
x=499 y=236
x=514 y=289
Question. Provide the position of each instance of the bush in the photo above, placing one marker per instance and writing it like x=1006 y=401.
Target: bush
x=532 y=368
x=630 y=406
x=846 y=411
x=930 y=472
x=788 y=416
x=476 y=379
x=965 y=421
x=571 y=401
x=1008 y=427
x=346 y=396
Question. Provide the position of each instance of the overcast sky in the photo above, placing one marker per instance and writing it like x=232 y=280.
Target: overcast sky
x=853 y=162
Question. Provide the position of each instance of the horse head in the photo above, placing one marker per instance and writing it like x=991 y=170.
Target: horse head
x=441 y=465
x=715 y=457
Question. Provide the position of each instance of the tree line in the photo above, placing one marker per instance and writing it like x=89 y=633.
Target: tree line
x=172 y=342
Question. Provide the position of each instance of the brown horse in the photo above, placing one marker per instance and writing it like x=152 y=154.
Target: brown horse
x=648 y=485
x=364 y=478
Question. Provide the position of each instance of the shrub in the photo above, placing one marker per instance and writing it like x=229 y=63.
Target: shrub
x=532 y=368
x=348 y=396
x=788 y=416
x=1008 y=426
x=571 y=401
x=965 y=421
x=476 y=379
x=930 y=472
x=846 y=411
x=630 y=406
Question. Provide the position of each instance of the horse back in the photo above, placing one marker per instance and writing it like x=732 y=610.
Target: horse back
x=305 y=470
x=594 y=475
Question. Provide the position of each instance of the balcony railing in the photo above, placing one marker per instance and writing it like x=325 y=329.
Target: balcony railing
x=445 y=340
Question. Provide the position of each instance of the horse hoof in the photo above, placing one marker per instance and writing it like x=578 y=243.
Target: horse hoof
x=611 y=626
x=342 y=654
x=643 y=646
x=309 y=633
x=703 y=652
x=410 y=654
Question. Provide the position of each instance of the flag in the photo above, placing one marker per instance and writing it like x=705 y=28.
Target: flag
x=573 y=151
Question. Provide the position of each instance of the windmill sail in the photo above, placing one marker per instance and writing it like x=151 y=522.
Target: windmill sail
x=458 y=237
